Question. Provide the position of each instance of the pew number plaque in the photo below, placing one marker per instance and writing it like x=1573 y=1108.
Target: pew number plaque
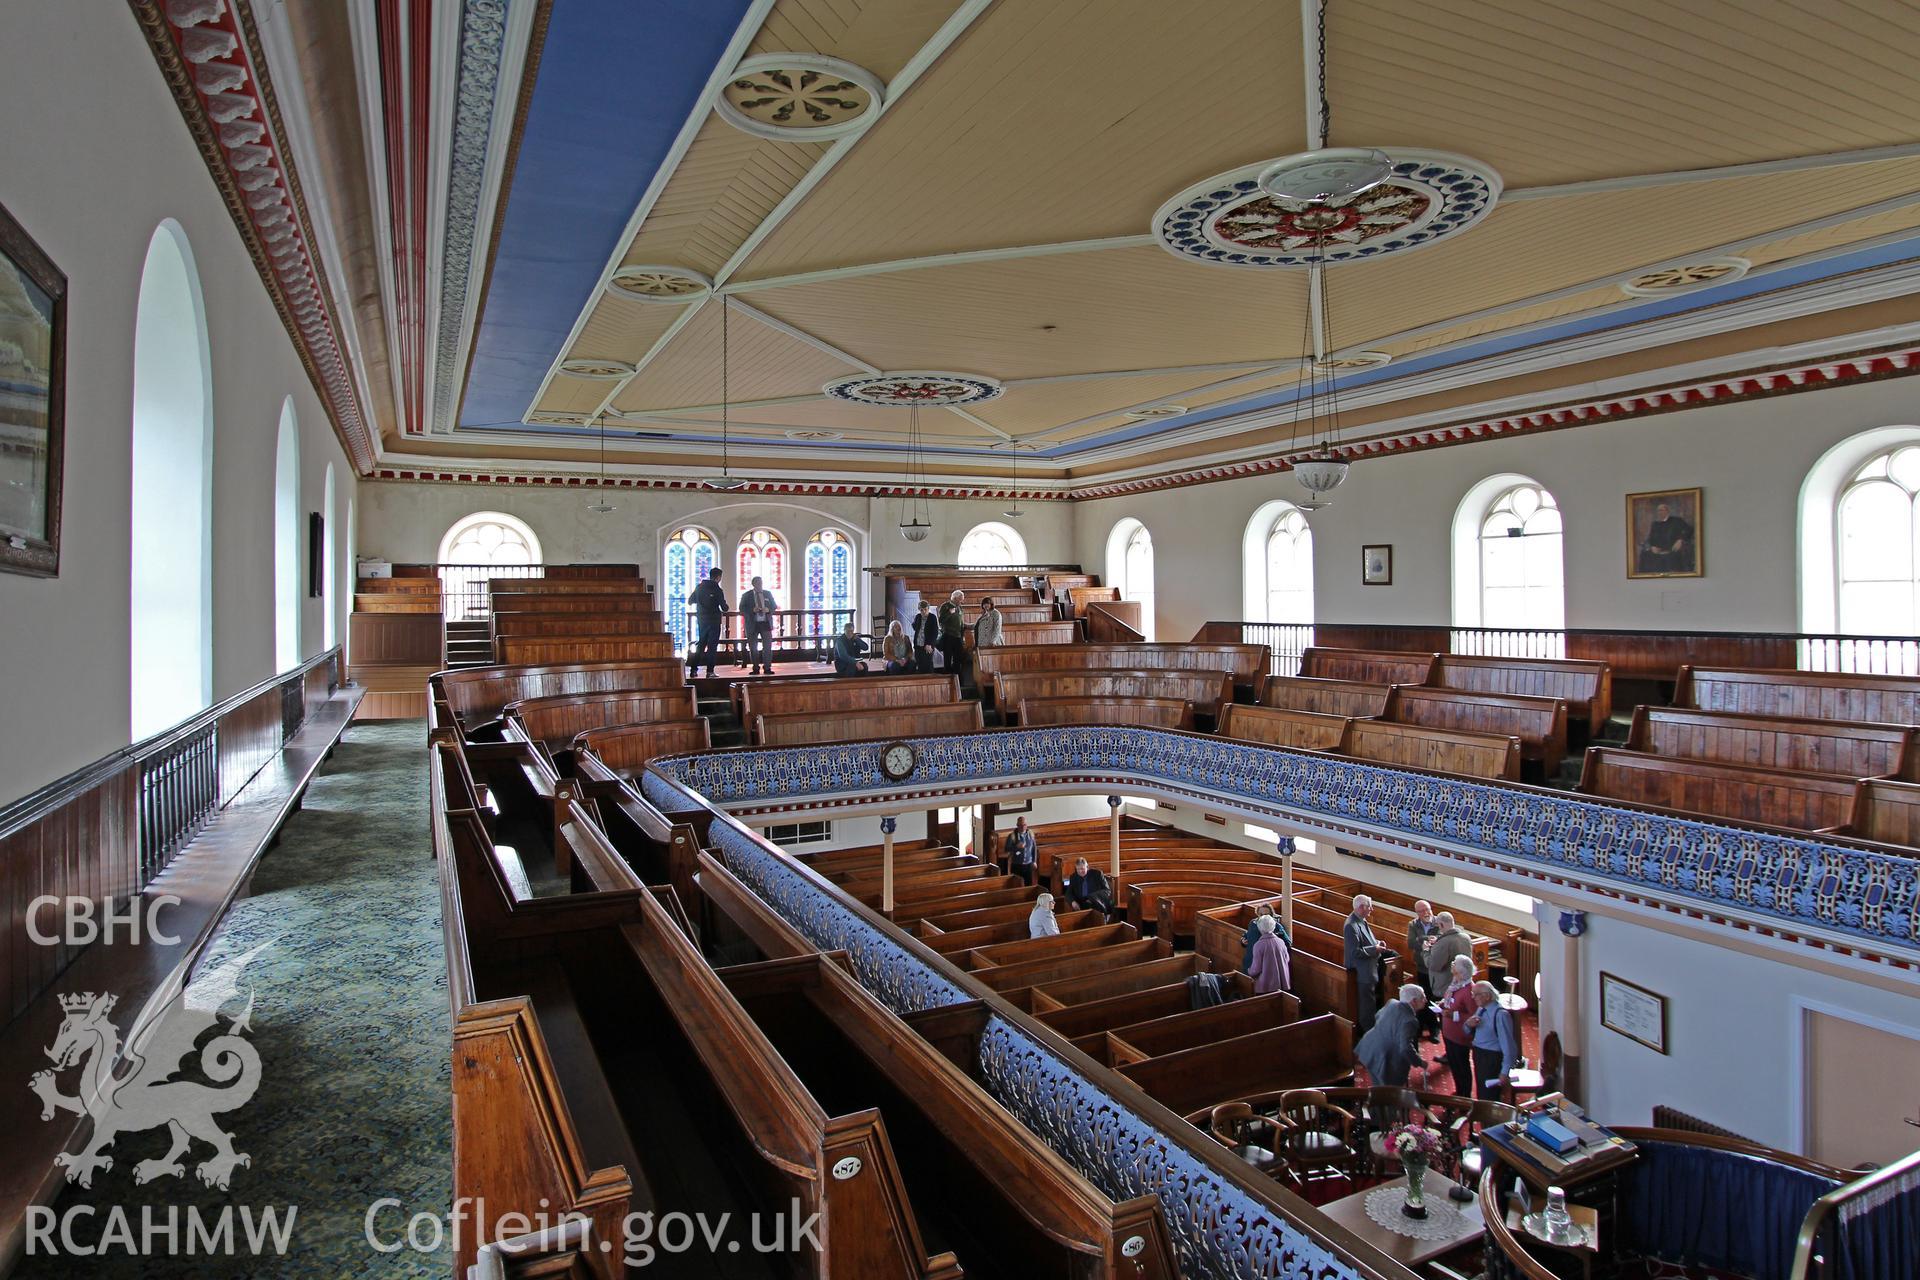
x=1633 y=1011
x=897 y=760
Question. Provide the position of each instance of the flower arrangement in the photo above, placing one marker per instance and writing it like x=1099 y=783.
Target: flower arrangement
x=1416 y=1143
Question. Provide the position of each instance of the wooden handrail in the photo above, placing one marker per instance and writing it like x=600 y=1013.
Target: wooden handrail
x=1804 y=1257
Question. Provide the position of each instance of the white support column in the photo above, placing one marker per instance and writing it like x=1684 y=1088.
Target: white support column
x=1286 y=883
x=1113 y=843
x=888 y=825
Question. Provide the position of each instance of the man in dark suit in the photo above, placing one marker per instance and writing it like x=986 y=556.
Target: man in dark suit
x=1668 y=547
x=709 y=601
x=1362 y=958
x=1087 y=888
x=926 y=637
x=1391 y=1050
x=756 y=606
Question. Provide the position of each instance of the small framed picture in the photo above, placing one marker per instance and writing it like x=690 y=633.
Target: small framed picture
x=33 y=340
x=1633 y=1011
x=1376 y=564
x=1663 y=534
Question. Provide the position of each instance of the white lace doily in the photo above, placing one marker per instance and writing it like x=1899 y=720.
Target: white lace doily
x=1444 y=1218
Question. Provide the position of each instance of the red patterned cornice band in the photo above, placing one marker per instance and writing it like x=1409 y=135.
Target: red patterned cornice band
x=211 y=59
x=1870 y=366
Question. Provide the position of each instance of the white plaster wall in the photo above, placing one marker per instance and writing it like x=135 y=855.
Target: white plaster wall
x=94 y=155
x=1750 y=459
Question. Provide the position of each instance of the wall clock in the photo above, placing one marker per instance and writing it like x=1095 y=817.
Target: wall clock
x=897 y=760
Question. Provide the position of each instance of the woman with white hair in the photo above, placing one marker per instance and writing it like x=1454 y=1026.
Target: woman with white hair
x=1040 y=922
x=1272 y=967
x=1456 y=1037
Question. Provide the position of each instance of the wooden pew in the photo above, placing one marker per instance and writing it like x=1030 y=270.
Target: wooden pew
x=1078 y=598
x=577 y=624
x=1299 y=1055
x=1323 y=984
x=1276 y=726
x=546 y=650
x=1030 y=633
x=814 y=695
x=567 y=586
x=1008 y=1200
x=1208 y=691
x=1324 y=697
x=1805 y=695
x=1067 y=942
x=552 y=602
x=1585 y=686
x=661 y=849
x=625 y=749
x=856 y=726
x=1888 y=812
x=1092 y=1018
x=1738 y=793
x=557 y=721
x=1153 y=713
x=1245 y=662
x=1472 y=755
x=1772 y=742
x=1186 y=1030
x=476 y=695
x=1112 y=982
x=954 y=942
x=1366 y=666
x=1010 y=613
x=1539 y=723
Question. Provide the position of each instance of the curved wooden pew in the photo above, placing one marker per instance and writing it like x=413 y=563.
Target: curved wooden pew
x=558 y=720
x=1208 y=691
x=1153 y=713
x=856 y=726
x=625 y=749
x=476 y=695
x=1366 y=666
x=1786 y=743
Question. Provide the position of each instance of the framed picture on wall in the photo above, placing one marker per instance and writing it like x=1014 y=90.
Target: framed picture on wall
x=33 y=368
x=1663 y=534
x=316 y=555
x=1376 y=564
x=1633 y=1011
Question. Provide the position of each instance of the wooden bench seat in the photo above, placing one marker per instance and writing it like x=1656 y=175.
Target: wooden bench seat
x=1093 y=1018
x=1785 y=743
x=1888 y=812
x=1585 y=686
x=548 y=650
x=1031 y=633
x=1350 y=698
x=625 y=749
x=1068 y=942
x=558 y=720
x=1280 y=727
x=551 y=605
x=1540 y=724
x=1455 y=751
x=1299 y=1055
x=1366 y=666
x=878 y=723
x=1112 y=982
x=577 y=624
x=1011 y=613
x=953 y=942
x=1151 y=713
x=1805 y=695
x=476 y=695
x=567 y=586
x=1245 y=662
x=817 y=694
x=1208 y=691
x=1195 y=1027
x=1738 y=793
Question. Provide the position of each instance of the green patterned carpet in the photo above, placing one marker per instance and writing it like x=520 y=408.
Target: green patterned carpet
x=349 y=1018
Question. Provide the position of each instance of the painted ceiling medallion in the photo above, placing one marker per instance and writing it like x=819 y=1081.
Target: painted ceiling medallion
x=799 y=97
x=905 y=390
x=652 y=283
x=1684 y=277
x=1356 y=360
x=548 y=417
x=597 y=370
x=1158 y=411
x=1231 y=221
x=799 y=434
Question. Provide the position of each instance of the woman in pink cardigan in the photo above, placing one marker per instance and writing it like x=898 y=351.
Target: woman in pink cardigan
x=1272 y=964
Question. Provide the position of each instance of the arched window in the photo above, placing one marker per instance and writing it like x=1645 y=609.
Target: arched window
x=474 y=550
x=1277 y=564
x=1507 y=563
x=830 y=568
x=1878 y=535
x=690 y=554
x=172 y=501
x=992 y=545
x=762 y=554
x=1130 y=567
x=286 y=541
x=330 y=566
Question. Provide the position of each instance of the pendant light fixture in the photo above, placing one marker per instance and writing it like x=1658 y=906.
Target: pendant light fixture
x=914 y=524
x=600 y=505
x=1014 y=512
x=1316 y=406
x=725 y=481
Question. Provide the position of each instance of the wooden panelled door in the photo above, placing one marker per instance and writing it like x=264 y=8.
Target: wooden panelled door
x=1863 y=1091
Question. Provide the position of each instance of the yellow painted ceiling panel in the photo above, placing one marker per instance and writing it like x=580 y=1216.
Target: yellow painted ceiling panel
x=866 y=422
x=762 y=363
x=1041 y=408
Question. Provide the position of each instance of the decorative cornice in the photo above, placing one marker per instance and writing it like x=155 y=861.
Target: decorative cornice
x=210 y=57
x=586 y=480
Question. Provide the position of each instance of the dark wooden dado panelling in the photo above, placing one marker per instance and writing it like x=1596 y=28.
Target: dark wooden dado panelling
x=103 y=832
x=375 y=639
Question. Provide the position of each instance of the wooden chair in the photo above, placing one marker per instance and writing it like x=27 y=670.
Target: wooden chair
x=1315 y=1140
x=1387 y=1108
x=1243 y=1131
x=1550 y=1063
x=1480 y=1114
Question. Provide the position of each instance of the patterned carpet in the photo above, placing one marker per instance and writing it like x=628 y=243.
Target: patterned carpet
x=349 y=1018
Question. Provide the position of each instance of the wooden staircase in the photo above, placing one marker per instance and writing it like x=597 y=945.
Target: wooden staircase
x=469 y=644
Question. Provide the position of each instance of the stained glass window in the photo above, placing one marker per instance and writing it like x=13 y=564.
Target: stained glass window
x=829 y=571
x=690 y=554
x=762 y=554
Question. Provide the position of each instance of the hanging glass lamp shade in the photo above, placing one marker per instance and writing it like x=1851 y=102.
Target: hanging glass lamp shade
x=1320 y=472
x=915 y=530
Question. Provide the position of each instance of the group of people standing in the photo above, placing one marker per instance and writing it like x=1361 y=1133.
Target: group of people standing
x=942 y=631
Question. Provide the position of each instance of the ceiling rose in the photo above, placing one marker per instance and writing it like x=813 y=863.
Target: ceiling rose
x=598 y=370
x=653 y=283
x=809 y=433
x=905 y=390
x=1356 y=360
x=1158 y=411
x=1232 y=221
x=799 y=97
x=1683 y=277
x=549 y=418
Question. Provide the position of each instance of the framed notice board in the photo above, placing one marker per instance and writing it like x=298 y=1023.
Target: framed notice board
x=1633 y=1011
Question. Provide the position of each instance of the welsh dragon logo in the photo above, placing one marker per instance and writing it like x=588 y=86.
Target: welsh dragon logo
x=146 y=1096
